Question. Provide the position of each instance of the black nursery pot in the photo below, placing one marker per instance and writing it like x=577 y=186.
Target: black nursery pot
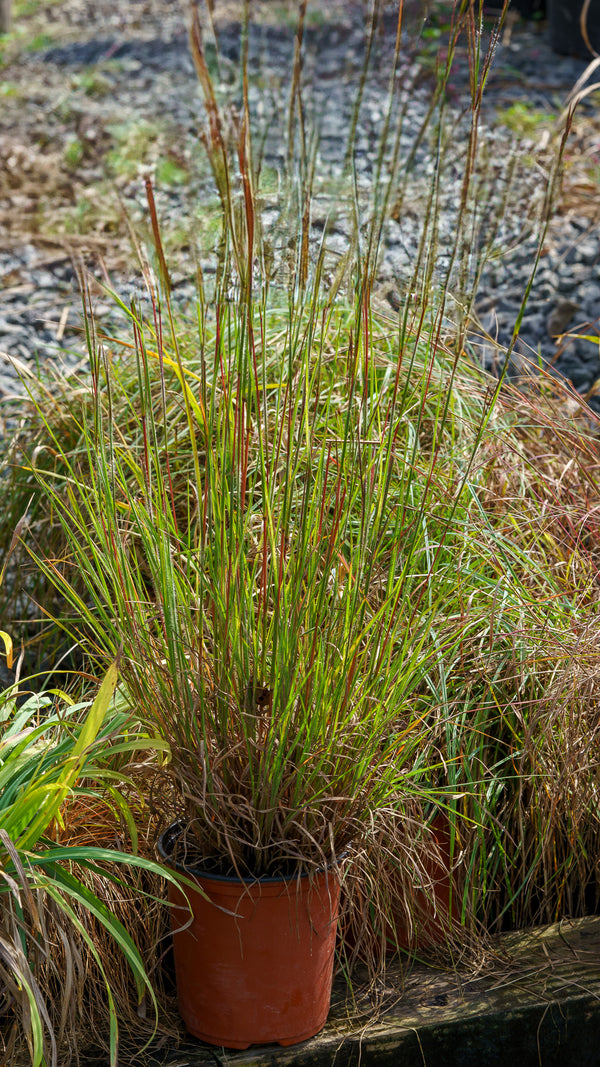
x=564 y=17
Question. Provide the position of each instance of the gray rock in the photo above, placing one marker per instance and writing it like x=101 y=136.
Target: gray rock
x=587 y=251
x=10 y=341
x=589 y=295
x=581 y=375
x=561 y=315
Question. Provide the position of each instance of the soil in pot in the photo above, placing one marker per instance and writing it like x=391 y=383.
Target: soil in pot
x=254 y=965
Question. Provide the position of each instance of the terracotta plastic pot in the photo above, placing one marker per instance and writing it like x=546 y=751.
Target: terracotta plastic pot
x=436 y=910
x=255 y=965
x=434 y=907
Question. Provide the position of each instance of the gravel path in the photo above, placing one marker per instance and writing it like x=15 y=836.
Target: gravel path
x=114 y=97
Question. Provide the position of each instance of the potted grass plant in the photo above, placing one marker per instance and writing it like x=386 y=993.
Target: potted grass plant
x=257 y=531
x=256 y=583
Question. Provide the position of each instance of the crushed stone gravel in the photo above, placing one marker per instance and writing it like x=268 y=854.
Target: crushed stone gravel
x=119 y=74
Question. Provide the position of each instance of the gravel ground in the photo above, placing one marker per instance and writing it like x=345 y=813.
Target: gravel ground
x=112 y=95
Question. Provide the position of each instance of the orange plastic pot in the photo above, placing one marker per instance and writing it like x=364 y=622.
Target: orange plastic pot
x=255 y=964
x=436 y=907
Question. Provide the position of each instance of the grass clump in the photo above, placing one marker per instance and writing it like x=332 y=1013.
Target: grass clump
x=94 y=82
x=73 y=153
x=169 y=172
x=284 y=555
x=387 y=460
x=134 y=141
x=525 y=120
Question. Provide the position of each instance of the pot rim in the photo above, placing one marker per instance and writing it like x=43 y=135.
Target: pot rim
x=174 y=831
